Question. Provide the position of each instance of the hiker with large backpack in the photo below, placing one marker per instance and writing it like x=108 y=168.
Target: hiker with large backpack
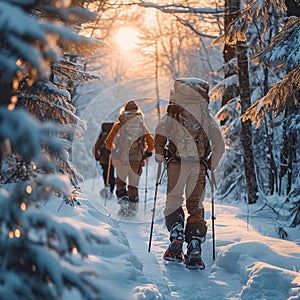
x=130 y=143
x=188 y=141
x=102 y=155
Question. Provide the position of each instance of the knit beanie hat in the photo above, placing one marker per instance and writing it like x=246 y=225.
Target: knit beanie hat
x=130 y=105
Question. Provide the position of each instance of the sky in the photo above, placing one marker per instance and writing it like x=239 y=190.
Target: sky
x=251 y=262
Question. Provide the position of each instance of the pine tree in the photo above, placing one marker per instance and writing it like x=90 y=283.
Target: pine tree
x=282 y=101
x=40 y=256
x=38 y=253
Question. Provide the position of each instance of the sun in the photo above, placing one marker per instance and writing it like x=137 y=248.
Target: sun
x=127 y=38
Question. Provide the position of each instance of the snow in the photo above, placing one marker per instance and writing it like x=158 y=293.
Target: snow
x=249 y=264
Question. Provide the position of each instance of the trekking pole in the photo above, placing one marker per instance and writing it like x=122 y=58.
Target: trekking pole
x=154 y=204
x=212 y=182
x=107 y=178
x=146 y=187
x=213 y=212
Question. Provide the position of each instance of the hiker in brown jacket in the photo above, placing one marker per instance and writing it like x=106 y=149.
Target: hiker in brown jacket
x=130 y=143
x=194 y=144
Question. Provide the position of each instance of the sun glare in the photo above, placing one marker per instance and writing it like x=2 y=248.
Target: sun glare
x=127 y=38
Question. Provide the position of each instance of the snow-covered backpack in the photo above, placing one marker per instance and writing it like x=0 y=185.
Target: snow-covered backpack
x=129 y=143
x=189 y=120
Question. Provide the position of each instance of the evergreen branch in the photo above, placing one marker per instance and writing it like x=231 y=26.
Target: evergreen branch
x=58 y=112
x=276 y=99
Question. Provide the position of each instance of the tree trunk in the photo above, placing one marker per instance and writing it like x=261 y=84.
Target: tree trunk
x=229 y=52
x=246 y=137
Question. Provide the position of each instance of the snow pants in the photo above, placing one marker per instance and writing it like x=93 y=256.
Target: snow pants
x=127 y=181
x=186 y=180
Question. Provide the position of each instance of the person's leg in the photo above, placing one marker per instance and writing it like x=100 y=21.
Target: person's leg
x=121 y=181
x=196 y=229
x=175 y=186
x=104 y=172
x=112 y=180
x=195 y=190
x=133 y=183
x=174 y=214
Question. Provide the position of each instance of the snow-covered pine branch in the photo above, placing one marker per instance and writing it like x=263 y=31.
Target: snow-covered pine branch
x=284 y=50
x=40 y=255
x=276 y=99
x=20 y=52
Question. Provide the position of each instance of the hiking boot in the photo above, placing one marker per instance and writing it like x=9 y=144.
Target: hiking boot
x=193 y=259
x=195 y=228
x=174 y=251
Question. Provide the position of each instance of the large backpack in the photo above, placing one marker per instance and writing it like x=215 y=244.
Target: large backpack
x=129 y=143
x=100 y=151
x=189 y=120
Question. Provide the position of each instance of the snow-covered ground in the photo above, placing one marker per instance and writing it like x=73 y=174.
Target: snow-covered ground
x=250 y=263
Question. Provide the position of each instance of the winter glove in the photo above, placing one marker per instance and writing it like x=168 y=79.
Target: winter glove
x=147 y=154
x=159 y=158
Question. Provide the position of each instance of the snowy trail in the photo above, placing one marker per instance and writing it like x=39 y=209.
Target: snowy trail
x=249 y=263
x=174 y=279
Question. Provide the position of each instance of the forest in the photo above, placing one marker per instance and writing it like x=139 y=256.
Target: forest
x=57 y=55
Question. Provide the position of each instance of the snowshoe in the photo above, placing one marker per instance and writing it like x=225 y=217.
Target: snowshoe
x=193 y=258
x=174 y=251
